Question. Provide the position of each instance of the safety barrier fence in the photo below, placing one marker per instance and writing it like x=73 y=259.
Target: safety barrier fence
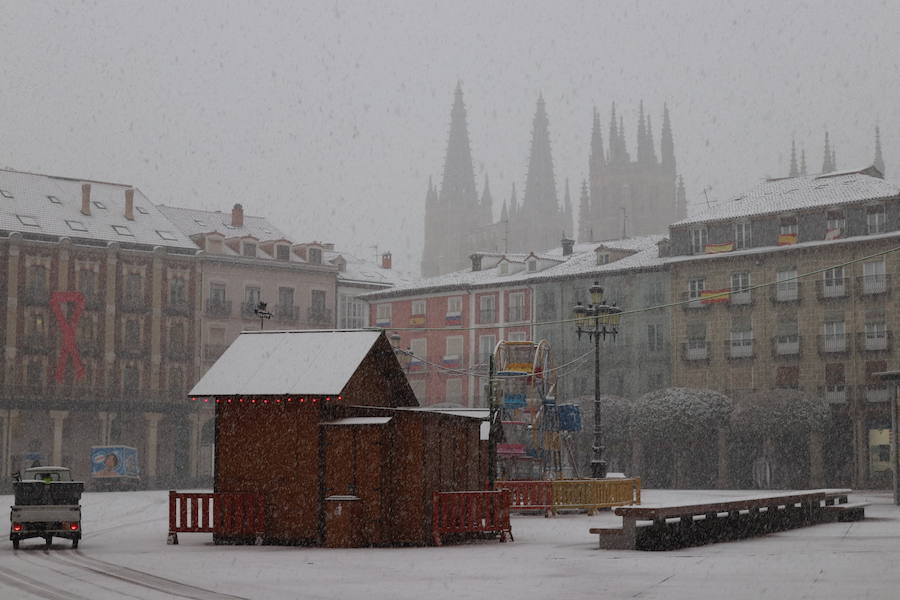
x=230 y=514
x=584 y=494
x=470 y=512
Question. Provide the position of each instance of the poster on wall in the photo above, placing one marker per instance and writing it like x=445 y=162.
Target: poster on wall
x=113 y=461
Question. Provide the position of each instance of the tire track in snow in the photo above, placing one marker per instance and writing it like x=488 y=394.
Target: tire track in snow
x=34 y=587
x=86 y=578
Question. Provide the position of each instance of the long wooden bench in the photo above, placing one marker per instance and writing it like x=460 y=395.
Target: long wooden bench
x=679 y=525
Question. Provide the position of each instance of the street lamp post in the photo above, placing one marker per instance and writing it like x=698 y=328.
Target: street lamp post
x=597 y=320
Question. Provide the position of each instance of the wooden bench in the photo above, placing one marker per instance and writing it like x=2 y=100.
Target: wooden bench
x=680 y=525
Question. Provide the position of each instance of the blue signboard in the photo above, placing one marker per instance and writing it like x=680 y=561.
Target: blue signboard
x=113 y=461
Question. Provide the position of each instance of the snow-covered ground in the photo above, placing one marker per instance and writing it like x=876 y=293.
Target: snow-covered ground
x=124 y=555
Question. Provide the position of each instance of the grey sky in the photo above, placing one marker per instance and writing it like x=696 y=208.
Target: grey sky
x=328 y=118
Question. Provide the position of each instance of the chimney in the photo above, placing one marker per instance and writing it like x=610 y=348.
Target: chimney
x=567 y=246
x=129 y=204
x=476 y=262
x=386 y=260
x=86 y=199
x=237 y=216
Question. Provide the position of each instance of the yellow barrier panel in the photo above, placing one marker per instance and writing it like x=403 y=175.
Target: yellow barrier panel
x=593 y=494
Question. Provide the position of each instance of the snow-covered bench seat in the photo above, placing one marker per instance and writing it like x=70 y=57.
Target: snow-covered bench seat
x=665 y=527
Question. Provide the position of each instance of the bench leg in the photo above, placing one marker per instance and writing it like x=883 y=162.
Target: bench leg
x=172 y=539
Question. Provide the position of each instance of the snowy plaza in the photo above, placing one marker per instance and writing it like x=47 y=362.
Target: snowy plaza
x=124 y=555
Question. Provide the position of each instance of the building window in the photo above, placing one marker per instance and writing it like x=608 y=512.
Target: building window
x=134 y=287
x=835 y=383
x=454 y=391
x=176 y=337
x=874 y=278
x=454 y=347
x=454 y=305
x=835 y=224
x=383 y=314
x=532 y=266
x=787 y=377
x=788 y=226
x=741 y=235
x=741 y=339
x=252 y=296
x=177 y=291
x=696 y=285
x=487 y=312
x=503 y=268
x=249 y=249
x=122 y=230
x=517 y=336
x=875 y=219
x=696 y=347
x=418 y=308
x=87 y=285
x=834 y=283
x=834 y=338
x=283 y=252
x=516 y=307
x=286 y=297
x=315 y=256
x=352 y=312
x=875 y=335
x=698 y=240
x=486 y=345
x=654 y=337
x=419 y=349
x=131 y=378
x=132 y=333
x=217 y=294
x=602 y=258
x=787 y=338
x=176 y=379
x=787 y=286
x=740 y=288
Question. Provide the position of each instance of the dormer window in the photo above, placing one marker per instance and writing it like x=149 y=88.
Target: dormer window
x=602 y=258
x=54 y=200
x=28 y=221
x=315 y=256
x=99 y=205
x=835 y=225
x=532 y=265
x=249 y=249
x=698 y=240
x=283 y=252
x=875 y=219
x=503 y=268
x=122 y=230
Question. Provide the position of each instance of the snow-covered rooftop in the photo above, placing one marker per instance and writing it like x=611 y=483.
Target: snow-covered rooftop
x=361 y=271
x=271 y=363
x=795 y=193
x=582 y=261
x=51 y=205
x=193 y=221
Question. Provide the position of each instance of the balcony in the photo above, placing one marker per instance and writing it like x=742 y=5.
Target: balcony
x=876 y=392
x=833 y=343
x=212 y=352
x=740 y=298
x=218 y=309
x=832 y=289
x=692 y=302
x=133 y=352
x=285 y=313
x=834 y=394
x=786 y=345
x=134 y=303
x=182 y=309
x=35 y=297
x=247 y=310
x=739 y=348
x=874 y=341
x=873 y=285
x=487 y=317
x=319 y=316
x=695 y=350
x=788 y=291
x=35 y=343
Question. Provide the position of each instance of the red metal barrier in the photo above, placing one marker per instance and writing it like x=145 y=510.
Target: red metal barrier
x=528 y=495
x=223 y=513
x=470 y=512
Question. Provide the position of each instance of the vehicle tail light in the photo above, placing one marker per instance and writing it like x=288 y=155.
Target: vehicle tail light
x=73 y=526
x=17 y=527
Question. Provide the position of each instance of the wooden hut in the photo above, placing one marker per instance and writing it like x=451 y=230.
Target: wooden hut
x=326 y=427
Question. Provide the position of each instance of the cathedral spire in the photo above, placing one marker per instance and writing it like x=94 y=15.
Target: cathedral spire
x=793 y=171
x=641 y=136
x=613 y=137
x=513 y=202
x=828 y=160
x=667 y=143
x=487 y=203
x=623 y=147
x=651 y=146
x=879 y=161
x=540 y=204
x=568 y=216
x=803 y=161
x=596 y=161
x=584 y=214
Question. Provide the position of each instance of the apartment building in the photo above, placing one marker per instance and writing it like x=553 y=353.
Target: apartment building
x=827 y=245
x=99 y=329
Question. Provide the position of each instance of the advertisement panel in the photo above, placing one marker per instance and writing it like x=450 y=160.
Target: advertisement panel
x=113 y=461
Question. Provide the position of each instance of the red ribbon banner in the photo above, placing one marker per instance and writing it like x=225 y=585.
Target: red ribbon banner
x=69 y=346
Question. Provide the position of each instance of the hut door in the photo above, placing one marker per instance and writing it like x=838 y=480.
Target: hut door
x=353 y=467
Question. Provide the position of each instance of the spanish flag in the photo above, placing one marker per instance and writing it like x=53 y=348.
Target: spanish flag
x=786 y=239
x=417 y=320
x=716 y=248
x=714 y=296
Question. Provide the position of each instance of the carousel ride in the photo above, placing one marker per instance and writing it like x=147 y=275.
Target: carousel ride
x=536 y=440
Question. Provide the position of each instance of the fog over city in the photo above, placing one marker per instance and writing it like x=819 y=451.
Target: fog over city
x=329 y=118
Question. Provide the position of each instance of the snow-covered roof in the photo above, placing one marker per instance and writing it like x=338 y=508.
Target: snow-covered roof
x=358 y=270
x=359 y=421
x=193 y=221
x=582 y=261
x=271 y=363
x=32 y=203
x=804 y=192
